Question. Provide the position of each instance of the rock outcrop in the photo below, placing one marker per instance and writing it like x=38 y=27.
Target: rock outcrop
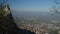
x=7 y=24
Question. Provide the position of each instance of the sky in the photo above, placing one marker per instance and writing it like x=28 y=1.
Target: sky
x=31 y=5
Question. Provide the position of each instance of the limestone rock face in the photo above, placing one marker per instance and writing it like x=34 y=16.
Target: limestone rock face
x=7 y=24
x=6 y=10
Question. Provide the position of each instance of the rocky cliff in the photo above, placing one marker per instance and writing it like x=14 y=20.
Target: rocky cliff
x=7 y=24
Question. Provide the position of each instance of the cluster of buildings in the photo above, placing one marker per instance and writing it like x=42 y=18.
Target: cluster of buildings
x=42 y=28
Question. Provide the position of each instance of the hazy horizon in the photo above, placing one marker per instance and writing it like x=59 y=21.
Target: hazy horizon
x=31 y=5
